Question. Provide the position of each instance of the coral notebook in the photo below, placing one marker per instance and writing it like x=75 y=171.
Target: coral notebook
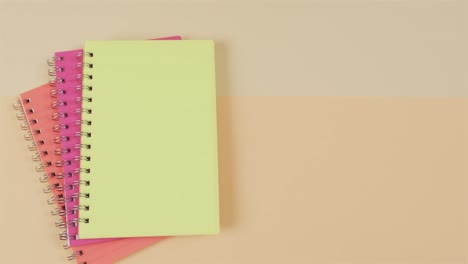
x=40 y=122
x=151 y=165
x=68 y=69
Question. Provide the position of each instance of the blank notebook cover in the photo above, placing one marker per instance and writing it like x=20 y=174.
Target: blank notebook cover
x=152 y=162
x=68 y=69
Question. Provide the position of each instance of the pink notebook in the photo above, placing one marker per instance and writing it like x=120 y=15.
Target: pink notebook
x=68 y=69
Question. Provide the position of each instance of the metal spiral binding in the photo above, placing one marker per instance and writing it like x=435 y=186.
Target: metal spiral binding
x=78 y=183
x=75 y=254
x=59 y=127
x=17 y=105
x=61 y=198
x=62 y=224
x=85 y=146
x=52 y=70
x=52 y=81
x=56 y=186
x=72 y=223
x=65 y=236
x=40 y=167
x=62 y=211
x=58 y=175
x=58 y=115
x=83 y=122
x=20 y=116
x=61 y=151
x=83 y=134
x=25 y=125
x=79 y=195
x=36 y=157
x=62 y=163
x=56 y=104
x=52 y=200
x=59 y=139
x=80 y=88
x=28 y=136
x=55 y=92
x=85 y=170
x=81 y=99
x=43 y=178
x=84 y=110
x=51 y=61
x=79 y=158
x=32 y=146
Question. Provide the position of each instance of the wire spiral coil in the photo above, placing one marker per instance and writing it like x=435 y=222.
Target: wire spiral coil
x=67 y=86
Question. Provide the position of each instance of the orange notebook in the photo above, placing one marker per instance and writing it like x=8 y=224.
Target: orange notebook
x=40 y=124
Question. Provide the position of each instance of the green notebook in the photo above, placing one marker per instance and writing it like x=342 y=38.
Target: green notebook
x=149 y=120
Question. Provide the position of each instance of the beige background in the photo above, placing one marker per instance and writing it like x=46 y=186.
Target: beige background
x=303 y=180
x=293 y=47
x=349 y=180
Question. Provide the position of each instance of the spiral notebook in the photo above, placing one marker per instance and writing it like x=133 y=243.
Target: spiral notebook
x=151 y=165
x=68 y=69
x=40 y=123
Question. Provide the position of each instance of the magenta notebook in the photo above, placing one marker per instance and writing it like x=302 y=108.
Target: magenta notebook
x=69 y=68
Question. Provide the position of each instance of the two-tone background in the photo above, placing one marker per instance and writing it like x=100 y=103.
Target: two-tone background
x=343 y=126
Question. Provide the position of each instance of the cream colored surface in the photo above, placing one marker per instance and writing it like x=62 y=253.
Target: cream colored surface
x=302 y=180
x=279 y=47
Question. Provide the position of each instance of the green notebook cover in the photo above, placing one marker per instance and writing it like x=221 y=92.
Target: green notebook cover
x=152 y=157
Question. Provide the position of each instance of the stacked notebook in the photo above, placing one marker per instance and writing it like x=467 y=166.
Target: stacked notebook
x=125 y=138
